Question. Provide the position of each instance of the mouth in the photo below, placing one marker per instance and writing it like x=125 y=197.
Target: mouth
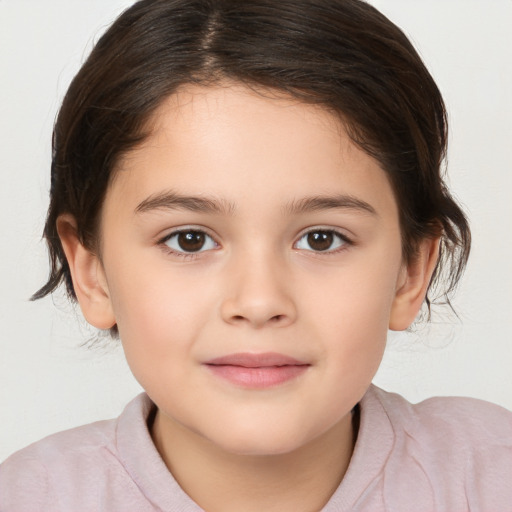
x=257 y=371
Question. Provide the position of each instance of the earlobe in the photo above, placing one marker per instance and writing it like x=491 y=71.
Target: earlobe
x=412 y=286
x=88 y=276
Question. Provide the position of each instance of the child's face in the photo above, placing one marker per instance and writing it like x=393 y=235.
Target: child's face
x=248 y=178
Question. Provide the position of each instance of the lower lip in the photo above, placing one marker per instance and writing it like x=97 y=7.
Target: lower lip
x=260 y=377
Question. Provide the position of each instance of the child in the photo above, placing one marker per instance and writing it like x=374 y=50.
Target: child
x=248 y=194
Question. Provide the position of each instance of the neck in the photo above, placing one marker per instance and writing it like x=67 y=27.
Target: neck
x=302 y=480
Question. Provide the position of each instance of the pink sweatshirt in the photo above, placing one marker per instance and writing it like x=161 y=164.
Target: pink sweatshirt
x=444 y=454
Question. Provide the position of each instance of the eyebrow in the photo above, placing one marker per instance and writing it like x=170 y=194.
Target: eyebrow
x=335 y=202
x=174 y=201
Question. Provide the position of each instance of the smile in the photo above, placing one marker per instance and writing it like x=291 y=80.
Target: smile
x=257 y=371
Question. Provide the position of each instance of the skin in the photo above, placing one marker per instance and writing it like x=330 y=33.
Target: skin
x=256 y=286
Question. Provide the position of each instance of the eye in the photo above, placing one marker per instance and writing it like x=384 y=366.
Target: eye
x=189 y=241
x=321 y=240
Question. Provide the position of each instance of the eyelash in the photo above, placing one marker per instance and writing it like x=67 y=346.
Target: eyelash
x=344 y=241
x=182 y=254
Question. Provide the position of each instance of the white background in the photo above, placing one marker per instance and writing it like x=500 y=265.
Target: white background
x=49 y=381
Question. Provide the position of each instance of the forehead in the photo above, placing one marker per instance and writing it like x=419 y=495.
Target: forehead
x=247 y=146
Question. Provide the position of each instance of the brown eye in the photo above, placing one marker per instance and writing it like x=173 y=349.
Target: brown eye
x=321 y=240
x=190 y=241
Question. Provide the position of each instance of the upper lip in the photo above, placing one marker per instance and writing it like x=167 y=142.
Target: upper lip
x=255 y=360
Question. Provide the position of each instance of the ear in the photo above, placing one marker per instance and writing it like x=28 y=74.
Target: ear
x=412 y=285
x=88 y=276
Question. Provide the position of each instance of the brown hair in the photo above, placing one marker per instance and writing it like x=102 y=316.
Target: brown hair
x=341 y=54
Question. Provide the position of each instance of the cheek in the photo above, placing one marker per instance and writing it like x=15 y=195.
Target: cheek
x=158 y=315
x=355 y=298
x=352 y=314
x=156 y=334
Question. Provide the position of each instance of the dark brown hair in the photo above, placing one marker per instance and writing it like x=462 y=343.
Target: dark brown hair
x=341 y=54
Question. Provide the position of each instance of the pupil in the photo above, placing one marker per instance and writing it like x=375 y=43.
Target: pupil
x=320 y=240
x=191 y=241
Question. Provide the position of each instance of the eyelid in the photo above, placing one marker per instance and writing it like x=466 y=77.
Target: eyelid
x=346 y=239
x=162 y=240
x=184 y=229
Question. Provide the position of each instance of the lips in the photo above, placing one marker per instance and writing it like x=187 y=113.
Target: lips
x=257 y=371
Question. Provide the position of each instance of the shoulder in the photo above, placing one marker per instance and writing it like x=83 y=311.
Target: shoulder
x=54 y=471
x=66 y=445
x=459 y=419
x=27 y=478
x=460 y=447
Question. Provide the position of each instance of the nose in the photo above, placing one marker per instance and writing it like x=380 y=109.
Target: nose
x=259 y=294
